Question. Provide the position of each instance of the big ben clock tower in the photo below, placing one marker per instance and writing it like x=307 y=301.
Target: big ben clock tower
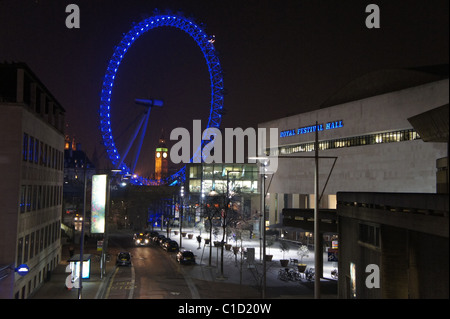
x=161 y=159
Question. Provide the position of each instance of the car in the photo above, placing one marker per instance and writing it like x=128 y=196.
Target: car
x=152 y=234
x=170 y=245
x=163 y=240
x=186 y=257
x=123 y=259
x=157 y=238
x=141 y=239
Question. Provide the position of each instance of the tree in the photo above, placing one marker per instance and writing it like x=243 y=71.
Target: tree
x=284 y=247
x=212 y=211
x=302 y=252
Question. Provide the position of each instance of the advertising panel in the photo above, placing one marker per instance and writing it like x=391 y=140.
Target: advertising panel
x=98 y=206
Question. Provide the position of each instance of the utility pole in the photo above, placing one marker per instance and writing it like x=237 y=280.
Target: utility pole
x=263 y=207
x=181 y=211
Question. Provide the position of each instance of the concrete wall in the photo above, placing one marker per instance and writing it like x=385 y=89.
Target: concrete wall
x=413 y=247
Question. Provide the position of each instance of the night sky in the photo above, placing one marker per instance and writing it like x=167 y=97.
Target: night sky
x=279 y=57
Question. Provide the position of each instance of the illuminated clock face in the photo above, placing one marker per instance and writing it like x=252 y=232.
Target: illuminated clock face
x=158 y=154
x=164 y=154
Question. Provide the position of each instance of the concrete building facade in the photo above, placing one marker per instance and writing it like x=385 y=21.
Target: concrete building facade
x=376 y=148
x=31 y=166
x=383 y=183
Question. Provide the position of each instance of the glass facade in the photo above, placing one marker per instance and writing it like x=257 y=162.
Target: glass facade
x=223 y=178
x=370 y=139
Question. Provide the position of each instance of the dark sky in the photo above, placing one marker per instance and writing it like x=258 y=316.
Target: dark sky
x=279 y=57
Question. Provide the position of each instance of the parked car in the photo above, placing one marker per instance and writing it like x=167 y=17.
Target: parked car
x=157 y=238
x=170 y=245
x=123 y=259
x=152 y=234
x=186 y=257
x=163 y=240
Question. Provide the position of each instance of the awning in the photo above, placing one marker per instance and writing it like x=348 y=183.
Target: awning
x=86 y=257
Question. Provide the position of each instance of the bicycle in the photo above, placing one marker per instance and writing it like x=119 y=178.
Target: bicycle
x=334 y=274
x=283 y=275
x=289 y=275
x=309 y=274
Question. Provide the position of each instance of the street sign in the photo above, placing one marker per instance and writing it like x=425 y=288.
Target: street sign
x=332 y=255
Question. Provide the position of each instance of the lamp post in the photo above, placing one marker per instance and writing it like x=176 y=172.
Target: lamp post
x=181 y=211
x=262 y=171
x=80 y=283
x=263 y=208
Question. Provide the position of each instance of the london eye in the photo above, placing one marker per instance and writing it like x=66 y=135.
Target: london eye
x=205 y=42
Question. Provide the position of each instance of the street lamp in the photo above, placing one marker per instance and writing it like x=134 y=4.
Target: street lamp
x=181 y=210
x=263 y=161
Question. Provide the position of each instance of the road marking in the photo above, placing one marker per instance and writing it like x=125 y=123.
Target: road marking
x=133 y=282
x=111 y=280
x=192 y=288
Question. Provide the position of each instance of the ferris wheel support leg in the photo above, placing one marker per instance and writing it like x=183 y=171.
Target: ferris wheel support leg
x=144 y=129
x=138 y=128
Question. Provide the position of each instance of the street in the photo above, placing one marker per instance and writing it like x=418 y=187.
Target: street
x=154 y=273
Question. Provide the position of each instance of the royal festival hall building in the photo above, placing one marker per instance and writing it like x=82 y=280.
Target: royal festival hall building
x=368 y=144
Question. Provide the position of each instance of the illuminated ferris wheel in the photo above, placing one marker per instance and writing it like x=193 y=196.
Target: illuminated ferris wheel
x=206 y=45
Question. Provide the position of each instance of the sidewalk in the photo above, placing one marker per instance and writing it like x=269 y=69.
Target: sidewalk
x=92 y=288
x=238 y=271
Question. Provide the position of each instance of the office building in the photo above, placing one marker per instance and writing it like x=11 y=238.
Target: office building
x=31 y=166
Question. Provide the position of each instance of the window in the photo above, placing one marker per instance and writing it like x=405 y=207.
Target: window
x=39 y=197
x=38 y=240
x=41 y=153
x=34 y=198
x=19 y=251
x=32 y=247
x=195 y=186
x=25 y=147
x=386 y=137
x=26 y=248
x=31 y=150
x=22 y=203
x=36 y=151
x=28 y=202
x=369 y=234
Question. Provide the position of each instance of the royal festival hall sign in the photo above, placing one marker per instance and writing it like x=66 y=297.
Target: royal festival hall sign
x=312 y=128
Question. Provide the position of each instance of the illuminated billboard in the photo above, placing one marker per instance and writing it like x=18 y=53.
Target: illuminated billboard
x=99 y=191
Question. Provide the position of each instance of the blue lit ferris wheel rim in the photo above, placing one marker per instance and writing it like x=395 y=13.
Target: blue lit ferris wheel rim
x=206 y=45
